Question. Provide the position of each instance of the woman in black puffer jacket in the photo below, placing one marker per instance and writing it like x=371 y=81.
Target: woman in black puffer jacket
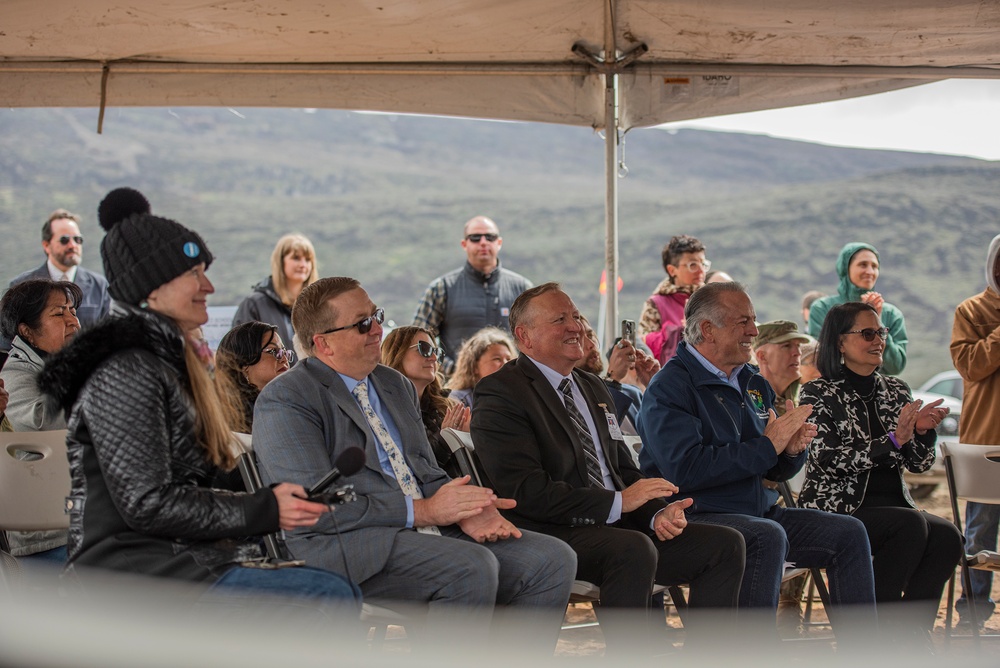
x=149 y=444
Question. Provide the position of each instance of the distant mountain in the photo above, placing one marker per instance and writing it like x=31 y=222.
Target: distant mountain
x=383 y=197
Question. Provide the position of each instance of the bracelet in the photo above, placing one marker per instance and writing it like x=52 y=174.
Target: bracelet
x=892 y=437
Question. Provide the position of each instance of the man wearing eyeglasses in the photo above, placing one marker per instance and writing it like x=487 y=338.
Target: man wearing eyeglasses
x=462 y=302
x=63 y=245
x=708 y=423
x=413 y=534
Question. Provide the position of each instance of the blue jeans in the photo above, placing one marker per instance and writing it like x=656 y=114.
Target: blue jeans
x=316 y=591
x=808 y=539
x=981 y=523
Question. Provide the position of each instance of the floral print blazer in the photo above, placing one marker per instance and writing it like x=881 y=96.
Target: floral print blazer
x=843 y=453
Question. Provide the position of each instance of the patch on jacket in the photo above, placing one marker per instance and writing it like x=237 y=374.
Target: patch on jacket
x=757 y=399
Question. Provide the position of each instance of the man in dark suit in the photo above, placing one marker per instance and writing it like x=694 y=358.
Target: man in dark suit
x=413 y=534
x=547 y=437
x=63 y=246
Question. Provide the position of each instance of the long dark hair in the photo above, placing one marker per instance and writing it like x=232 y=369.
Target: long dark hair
x=240 y=348
x=839 y=320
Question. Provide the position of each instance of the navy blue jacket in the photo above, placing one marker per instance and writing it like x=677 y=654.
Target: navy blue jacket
x=706 y=437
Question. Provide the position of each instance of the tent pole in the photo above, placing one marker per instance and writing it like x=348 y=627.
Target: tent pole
x=611 y=205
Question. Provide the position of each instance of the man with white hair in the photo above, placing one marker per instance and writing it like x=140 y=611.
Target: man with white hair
x=777 y=349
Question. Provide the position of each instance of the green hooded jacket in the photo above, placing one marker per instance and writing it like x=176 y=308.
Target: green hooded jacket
x=894 y=356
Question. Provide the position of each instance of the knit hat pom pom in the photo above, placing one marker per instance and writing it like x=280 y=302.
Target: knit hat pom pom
x=119 y=204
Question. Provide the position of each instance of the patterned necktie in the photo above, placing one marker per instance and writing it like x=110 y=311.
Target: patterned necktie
x=594 y=474
x=404 y=476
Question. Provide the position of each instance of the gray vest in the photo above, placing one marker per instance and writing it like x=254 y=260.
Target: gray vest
x=475 y=300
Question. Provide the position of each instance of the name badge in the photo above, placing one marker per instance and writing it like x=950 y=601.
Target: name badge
x=504 y=311
x=613 y=428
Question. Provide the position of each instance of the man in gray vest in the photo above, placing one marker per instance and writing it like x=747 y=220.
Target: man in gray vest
x=460 y=303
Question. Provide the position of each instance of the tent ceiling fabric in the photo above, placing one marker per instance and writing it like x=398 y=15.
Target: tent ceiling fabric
x=482 y=58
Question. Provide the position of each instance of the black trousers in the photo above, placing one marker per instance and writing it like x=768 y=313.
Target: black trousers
x=624 y=563
x=914 y=554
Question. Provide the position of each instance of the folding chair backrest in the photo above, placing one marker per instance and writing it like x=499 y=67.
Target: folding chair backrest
x=246 y=461
x=33 y=488
x=461 y=446
x=975 y=471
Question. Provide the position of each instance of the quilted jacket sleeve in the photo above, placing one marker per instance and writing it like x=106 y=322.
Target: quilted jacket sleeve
x=142 y=431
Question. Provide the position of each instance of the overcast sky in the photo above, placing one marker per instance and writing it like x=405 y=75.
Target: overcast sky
x=960 y=117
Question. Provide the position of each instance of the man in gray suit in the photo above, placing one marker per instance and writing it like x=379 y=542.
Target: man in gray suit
x=63 y=246
x=413 y=534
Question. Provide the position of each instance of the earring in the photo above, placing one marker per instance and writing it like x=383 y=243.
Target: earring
x=841 y=359
x=143 y=304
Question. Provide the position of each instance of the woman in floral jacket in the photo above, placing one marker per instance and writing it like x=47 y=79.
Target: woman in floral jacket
x=870 y=429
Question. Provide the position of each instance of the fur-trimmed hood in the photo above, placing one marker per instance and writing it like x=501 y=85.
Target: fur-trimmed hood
x=668 y=287
x=67 y=371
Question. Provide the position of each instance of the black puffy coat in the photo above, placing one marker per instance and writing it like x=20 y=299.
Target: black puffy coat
x=265 y=305
x=144 y=498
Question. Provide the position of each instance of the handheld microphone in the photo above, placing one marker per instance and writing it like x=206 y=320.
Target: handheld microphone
x=347 y=463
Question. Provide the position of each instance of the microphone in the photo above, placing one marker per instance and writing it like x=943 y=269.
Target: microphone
x=347 y=463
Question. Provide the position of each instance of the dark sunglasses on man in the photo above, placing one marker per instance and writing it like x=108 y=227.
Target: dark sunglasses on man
x=364 y=326
x=64 y=239
x=869 y=334
x=476 y=238
x=427 y=349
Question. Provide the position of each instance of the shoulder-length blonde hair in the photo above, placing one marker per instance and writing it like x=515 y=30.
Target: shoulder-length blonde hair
x=464 y=377
x=289 y=244
x=394 y=348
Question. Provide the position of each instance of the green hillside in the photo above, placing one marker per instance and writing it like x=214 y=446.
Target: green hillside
x=383 y=198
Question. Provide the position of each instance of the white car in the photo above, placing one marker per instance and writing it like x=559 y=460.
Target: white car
x=948 y=387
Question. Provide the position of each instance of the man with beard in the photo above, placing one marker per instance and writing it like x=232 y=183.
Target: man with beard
x=623 y=357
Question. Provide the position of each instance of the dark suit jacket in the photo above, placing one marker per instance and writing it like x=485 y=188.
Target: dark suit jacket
x=96 y=300
x=303 y=420
x=531 y=453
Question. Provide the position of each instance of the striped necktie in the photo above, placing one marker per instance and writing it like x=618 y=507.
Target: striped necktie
x=594 y=474
x=404 y=476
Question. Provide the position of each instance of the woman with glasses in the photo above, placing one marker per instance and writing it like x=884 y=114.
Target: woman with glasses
x=293 y=267
x=249 y=357
x=150 y=449
x=870 y=430
x=858 y=269
x=412 y=352
x=482 y=354
x=661 y=324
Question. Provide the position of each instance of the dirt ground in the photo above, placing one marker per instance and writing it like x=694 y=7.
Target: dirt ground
x=580 y=638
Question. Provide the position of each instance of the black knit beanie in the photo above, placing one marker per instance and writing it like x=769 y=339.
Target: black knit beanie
x=141 y=251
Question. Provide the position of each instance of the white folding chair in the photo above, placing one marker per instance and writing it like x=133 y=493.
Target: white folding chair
x=973 y=474
x=34 y=484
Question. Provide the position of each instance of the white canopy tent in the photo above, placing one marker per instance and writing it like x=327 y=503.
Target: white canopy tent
x=604 y=63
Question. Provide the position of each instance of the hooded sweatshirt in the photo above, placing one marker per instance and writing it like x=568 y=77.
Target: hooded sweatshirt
x=894 y=355
x=975 y=352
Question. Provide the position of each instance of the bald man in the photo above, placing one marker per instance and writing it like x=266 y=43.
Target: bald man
x=460 y=303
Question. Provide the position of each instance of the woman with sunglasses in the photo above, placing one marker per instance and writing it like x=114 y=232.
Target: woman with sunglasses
x=870 y=430
x=150 y=450
x=249 y=357
x=412 y=352
x=858 y=269
x=293 y=267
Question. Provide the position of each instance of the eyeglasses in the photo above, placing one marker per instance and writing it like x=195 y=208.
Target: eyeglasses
x=280 y=354
x=869 y=334
x=427 y=349
x=364 y=326
x=695 y=265
x=64 y=239
x=476 y=238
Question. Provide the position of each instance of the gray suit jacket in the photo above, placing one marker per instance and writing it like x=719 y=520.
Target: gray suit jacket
x=303 y=420
x=96 y=300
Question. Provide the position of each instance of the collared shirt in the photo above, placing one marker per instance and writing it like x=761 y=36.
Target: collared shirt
x=55 y=273
x=554 y=378
x=390 y=425
x=732 y=379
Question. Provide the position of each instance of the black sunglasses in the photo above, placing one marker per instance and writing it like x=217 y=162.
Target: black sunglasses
x=64 y=239
x=364 y=326
x=476 y=238
x=427 y=349
x=869 y=334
